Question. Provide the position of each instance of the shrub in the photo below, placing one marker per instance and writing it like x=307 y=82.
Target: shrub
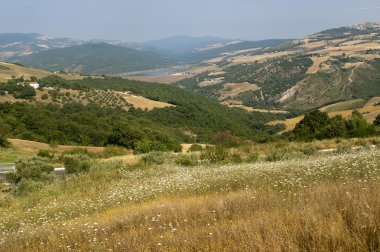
x=76 y=164
x=153 y=158
x=235 y=158
x=113 y=151
x=195 y=147
x=26 y=186
x=214 y=154
x=44 y=97
x=186 y=160
x=276 y=155
x=37 y=169
x=252 y=157
x=76 y=151
x=46 y=154
x=343 y=148
x=309 y=150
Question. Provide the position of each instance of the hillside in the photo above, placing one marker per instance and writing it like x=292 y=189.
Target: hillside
x=7 y=70
x=97 y=58
x=334 y=65
x=15 y=45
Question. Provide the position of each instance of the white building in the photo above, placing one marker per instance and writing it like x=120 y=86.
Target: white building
x=34 y=85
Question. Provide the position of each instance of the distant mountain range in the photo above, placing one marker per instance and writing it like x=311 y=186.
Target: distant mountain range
x=111 y=57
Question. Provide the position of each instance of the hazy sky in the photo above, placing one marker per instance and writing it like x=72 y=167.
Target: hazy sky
x=151 y=19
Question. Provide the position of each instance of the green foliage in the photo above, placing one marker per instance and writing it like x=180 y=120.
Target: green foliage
x=99 y=58
x=76 y=164
x=317 y=125
x=153 y=158
x=195 y=148
x=310 y=150
x=214 y=154
x=377 y=121
x=36 y=169
x=46 y=154
x=44 y=97
x=186 y=160
x=113 y=151
x=276 y=155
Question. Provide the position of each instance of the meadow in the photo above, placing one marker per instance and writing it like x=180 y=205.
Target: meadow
x=315 y=201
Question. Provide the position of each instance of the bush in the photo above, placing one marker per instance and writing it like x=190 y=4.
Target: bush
x=153 y=158
x=195 y=147
x=214 y=154
x=44 y=97
x=76 y=164
x=276 y=155
x=113 y=151
x=235 y=158
x=76 y=151
x=186 y=160
x=310 y=150
x=46 y=154
x=26 y=186
x=37 y=169
x=343 y=148
x=252 y=157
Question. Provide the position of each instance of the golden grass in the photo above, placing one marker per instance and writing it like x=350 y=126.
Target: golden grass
x=234 y=89
x=317 y=61
x=31 y=147
x=144 y=103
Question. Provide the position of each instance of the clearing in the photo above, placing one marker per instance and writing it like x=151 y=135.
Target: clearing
x=317 y=61
x=234 y=89
x=143 y=103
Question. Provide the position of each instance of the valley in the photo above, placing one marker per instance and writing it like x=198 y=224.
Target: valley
x=190 y=143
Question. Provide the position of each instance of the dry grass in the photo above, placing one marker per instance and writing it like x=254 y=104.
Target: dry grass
x=234 y=89
x=144 y=103
x=327 y=204
x=317 y=61
x=30 y=147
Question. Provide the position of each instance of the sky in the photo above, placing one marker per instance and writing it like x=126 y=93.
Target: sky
x=145 y=20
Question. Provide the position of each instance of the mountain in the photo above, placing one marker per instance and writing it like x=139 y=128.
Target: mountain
x=334 y=65
x=194 y=50
x=185 y=44
x=97 y=58
x=13 y=45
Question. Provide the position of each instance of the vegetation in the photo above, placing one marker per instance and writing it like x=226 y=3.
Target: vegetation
x=318 y=125
x=163 y=206
x=97 y=59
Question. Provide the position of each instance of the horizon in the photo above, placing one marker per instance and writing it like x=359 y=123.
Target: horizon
x=145 y=21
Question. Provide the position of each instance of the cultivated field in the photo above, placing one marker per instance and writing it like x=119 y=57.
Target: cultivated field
x=144 y=103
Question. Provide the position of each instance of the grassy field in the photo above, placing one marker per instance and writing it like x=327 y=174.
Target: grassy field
x=327 y=202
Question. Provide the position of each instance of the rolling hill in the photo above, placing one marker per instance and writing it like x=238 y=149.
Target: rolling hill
x=97 y=58
x=7 y=70
x=334 y=65
x=15 y=45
